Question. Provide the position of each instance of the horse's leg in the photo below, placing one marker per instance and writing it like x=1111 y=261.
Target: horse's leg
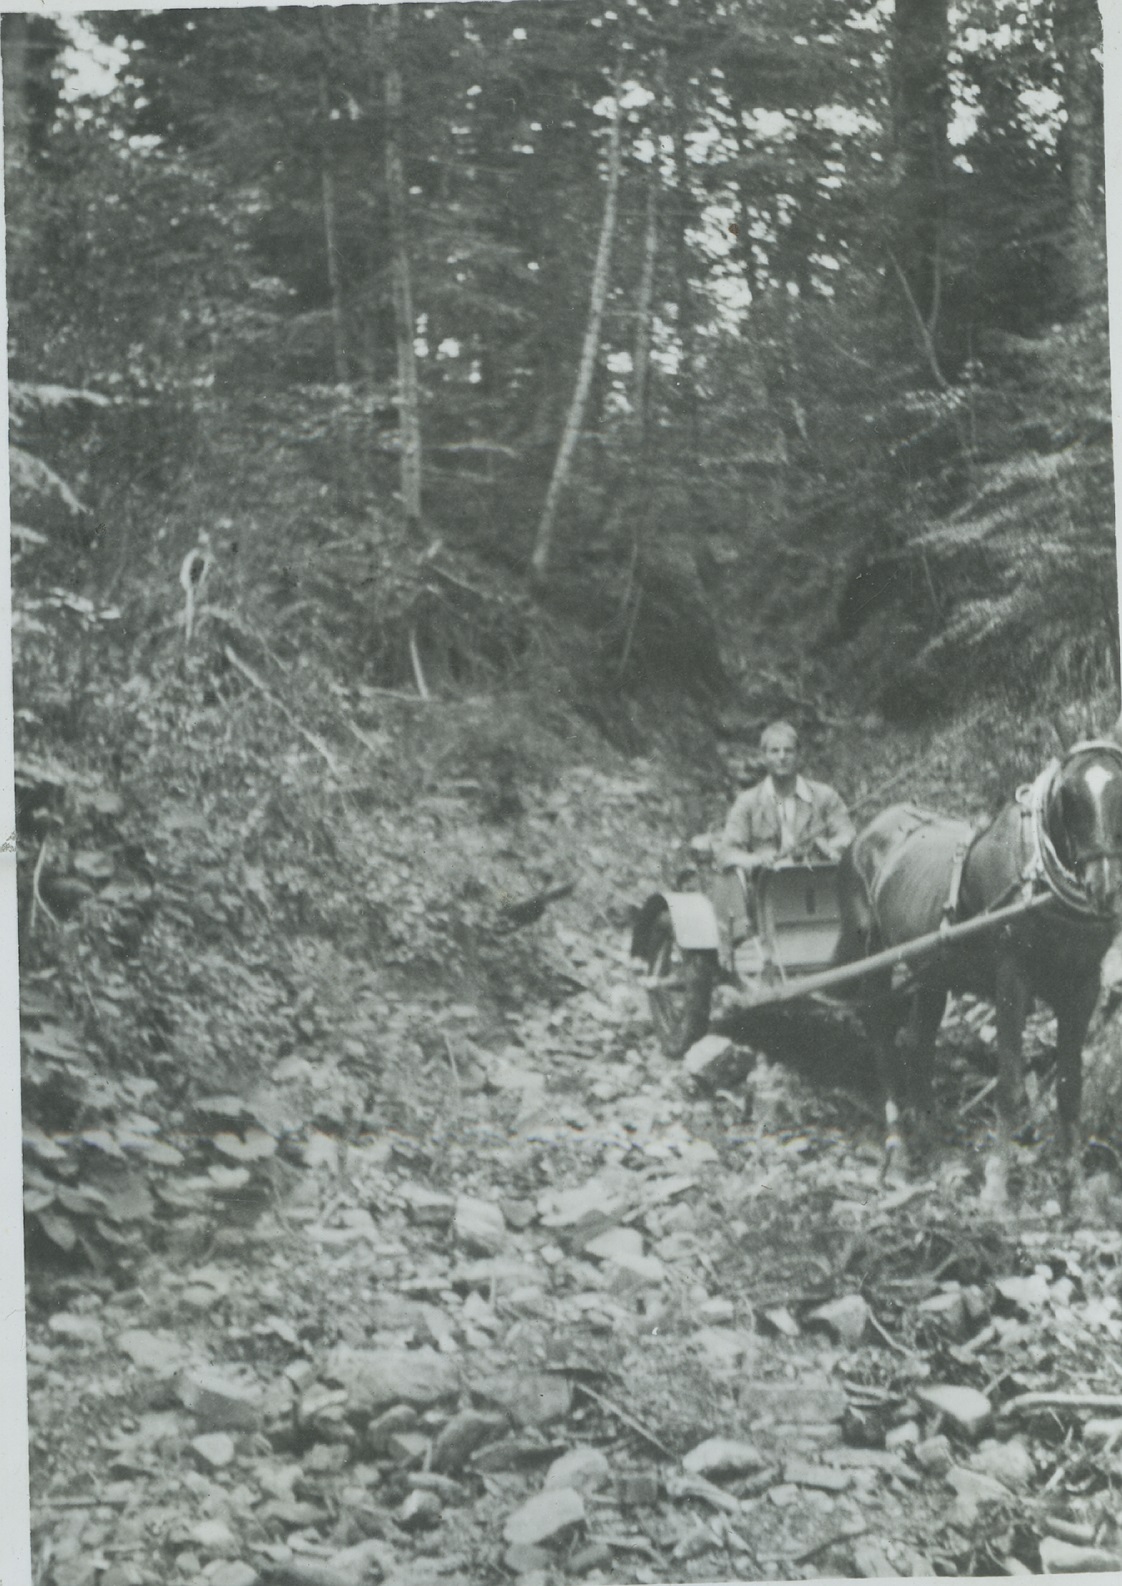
x=1012 y=999
x=1073 y=1017
x=929 y=1003
x=881 y=1022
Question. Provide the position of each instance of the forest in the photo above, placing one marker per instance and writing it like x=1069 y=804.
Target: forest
x=441 y=438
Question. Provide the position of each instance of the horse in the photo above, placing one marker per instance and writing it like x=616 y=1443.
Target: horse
x=1056 y=844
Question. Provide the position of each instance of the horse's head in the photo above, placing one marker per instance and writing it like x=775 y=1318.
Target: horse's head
x=1083 y=817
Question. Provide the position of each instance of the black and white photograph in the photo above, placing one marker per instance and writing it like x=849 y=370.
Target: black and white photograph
x=565 y=692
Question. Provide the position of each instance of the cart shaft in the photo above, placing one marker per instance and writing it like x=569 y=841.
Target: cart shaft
x=889 y=957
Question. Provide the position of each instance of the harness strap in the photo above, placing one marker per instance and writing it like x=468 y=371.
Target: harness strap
x=1044 y=867
x=950 y=907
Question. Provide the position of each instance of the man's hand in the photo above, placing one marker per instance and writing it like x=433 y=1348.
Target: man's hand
x=741 y=859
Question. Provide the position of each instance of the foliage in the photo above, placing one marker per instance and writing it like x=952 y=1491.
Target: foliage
x=224 y=629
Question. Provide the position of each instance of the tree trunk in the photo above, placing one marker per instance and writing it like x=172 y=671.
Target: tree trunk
x=1078 y=29
x=408 y=398
x=601 y=270
x=331 y=241
x=644 y=304
x=687 y=380
x=13 y=53
x=920 y=96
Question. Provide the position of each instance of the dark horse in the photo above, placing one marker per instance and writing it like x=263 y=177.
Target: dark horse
x=909 y=870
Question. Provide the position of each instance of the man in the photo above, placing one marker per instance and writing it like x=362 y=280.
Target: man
x=785 y=815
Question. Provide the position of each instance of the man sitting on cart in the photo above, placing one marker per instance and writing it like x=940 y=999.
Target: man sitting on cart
x=786 y=816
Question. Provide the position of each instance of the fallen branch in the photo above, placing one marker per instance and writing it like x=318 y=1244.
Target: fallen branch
x=848 y=1534
x=887 y=1336
x=250 y=675
x=36 y=896
x=1063 y=1401
x=632 y=1544
x=418 y=673
x=514 y=915
x=968 y=1106
x=628 y=1420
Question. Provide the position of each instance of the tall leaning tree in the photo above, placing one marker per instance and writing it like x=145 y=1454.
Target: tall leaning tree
x=597 y=298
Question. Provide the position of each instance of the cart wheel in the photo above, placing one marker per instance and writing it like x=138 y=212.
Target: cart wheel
x=680 y=988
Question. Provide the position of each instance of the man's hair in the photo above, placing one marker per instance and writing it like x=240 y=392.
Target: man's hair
x=775 y=729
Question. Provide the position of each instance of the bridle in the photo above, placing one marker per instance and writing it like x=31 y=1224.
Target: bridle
x=1044 y=864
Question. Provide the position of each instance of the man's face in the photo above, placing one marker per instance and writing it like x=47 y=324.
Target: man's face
x=781 y=756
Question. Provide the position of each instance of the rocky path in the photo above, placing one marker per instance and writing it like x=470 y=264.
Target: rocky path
x=473 y=1299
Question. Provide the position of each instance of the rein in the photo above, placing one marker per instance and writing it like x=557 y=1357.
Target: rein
x=1045 y=867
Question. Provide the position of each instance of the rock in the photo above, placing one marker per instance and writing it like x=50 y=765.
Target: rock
x=477 y=1313
x=523 y=1559
x=615 y=1244
x=723 y=1347
x=549 y=1514
x=375 y=1378
x=1010 y=1463
x=1026 y=1295
x=220 y=1402
x=973 y=1489
x=232 y=1572
x=792 y=1401
x=871 y=1562
x=845 y=1319
x=637 y=1490
x=697 y=1541
x=77 y=1329
x=933 y=1454
x=307 y=1572
x=802 y=1474
x=479 y=1225
x=495 y=1274
x=597 y=1555
x=518 y=1214
x=1063 y=1558
x=947 y=1310
x=512 y=1453
x=633 y=1272
x=426 y=1205
x=801 y=1437
x=399 y=1418
x=214 y=1449
x=718 y=1310
x=966 y=1408
x=325 y=1459
x=162 y=1353
x=783 y=1495
x=780 y=1320
x=723 y=1456
x=902 y=1436
x=214 y=1535
x=590 y=1203
x=362 y=1559
x=464 y=1433
x=407 y=1448
x=584 y=1469
x=716 y=1063
x=533 y=1399
x=421 y=1511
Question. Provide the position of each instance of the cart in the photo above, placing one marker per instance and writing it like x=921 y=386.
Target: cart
x=769 y=941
